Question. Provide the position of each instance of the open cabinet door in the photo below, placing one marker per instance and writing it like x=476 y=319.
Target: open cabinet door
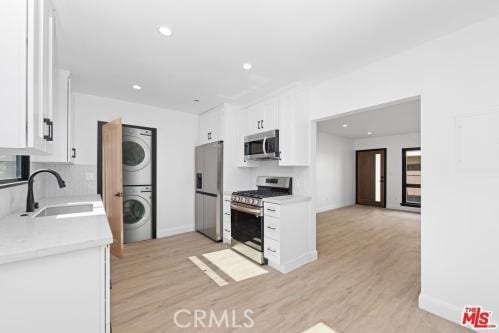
x=112 y=181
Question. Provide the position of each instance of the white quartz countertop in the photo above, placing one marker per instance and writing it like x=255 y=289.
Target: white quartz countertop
x=28 y=237
x=287 y=199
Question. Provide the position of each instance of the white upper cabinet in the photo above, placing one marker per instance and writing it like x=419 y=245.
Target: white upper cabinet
x=26 y=80
x=211 y=125
x=242 y=131
x=289 y=113
x=63 y=150
x=294 y=128
x=263 y=117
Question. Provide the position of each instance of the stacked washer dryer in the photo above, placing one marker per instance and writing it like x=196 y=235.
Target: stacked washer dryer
x=137 y=184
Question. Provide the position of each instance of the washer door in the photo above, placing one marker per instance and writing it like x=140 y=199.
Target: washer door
x=136 y=153
x=136 y=211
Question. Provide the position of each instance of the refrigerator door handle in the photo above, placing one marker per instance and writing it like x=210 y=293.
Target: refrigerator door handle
x=199 y=181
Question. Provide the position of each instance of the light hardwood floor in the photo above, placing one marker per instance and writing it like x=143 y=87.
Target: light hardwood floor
x=367 y=279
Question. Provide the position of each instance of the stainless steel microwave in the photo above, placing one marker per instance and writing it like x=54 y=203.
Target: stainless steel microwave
x=262 y=146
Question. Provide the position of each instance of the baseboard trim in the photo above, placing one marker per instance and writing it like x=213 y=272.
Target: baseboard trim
x=174 y=231
x=441 y=308
x=332 y=207
x=295 y=263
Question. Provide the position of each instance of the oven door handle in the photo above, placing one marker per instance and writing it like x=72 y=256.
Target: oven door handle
x=252 y=211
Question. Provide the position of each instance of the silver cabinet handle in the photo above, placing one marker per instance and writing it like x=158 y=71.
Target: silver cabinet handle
x=227 y=214
x=271 y=209
x=271 y=228
x=274 y=251
x=228 y=230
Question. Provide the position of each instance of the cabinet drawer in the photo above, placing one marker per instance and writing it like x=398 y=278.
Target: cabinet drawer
x=272 y=250
x=272 y=228
x=271 y=209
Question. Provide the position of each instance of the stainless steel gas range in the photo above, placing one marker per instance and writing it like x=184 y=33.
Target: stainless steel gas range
x=247 y=225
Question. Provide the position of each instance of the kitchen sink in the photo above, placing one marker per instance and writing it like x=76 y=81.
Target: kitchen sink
x=65 y=210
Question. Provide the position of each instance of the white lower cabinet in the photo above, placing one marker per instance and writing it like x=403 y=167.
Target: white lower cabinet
x=226 y=220
x=289 y=236
x=67 y=292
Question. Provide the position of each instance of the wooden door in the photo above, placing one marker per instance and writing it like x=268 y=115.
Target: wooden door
x=370 y=177
x=112 y=181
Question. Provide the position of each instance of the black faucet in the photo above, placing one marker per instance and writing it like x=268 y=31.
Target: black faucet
x=31 y=205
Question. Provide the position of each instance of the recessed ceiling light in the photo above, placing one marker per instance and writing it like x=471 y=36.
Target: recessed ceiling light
x=369 y=133
x=136 y=87
x=344 y=125
x=165 y=31
x=247 y=66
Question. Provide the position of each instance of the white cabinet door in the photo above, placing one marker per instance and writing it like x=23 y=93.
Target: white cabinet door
x=211 y=126
x=255 y=115
x=63 y=150
x=270 y=116
x=241 y=132
x=35 y=126
x=48 y=33
x=24 y=83
x=13 y=21
x=71 y=146
x=204 y=125
x=216 y=127
x=294 y=128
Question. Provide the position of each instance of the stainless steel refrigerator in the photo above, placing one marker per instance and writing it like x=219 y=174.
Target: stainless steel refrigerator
x=209 y=187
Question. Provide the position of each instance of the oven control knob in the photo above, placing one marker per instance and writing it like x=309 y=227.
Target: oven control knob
x=243 y=200
x=253 y=201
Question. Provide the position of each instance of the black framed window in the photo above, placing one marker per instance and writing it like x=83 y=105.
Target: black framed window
x=14 y=169
x=411 y=177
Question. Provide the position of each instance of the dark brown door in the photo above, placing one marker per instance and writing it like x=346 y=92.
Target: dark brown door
x=370 y=178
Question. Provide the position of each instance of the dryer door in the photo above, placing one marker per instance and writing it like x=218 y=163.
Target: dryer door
x=136 y=211
x=136 y=153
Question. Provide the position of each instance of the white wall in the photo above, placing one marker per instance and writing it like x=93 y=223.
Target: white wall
x=393 y=145
x=455 y=75
x=177 y=135
x=335 y=172
x=271 y=168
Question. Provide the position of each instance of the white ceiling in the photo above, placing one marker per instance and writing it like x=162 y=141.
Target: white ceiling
x=394 y=119
x=111 y=44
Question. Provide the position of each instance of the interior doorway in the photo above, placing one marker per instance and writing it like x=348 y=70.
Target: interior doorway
x=370 y=177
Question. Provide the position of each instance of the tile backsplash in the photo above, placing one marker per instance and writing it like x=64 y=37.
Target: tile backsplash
x=80 y=179
x=12 y=199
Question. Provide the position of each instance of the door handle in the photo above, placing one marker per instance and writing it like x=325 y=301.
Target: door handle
x=119 y=194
